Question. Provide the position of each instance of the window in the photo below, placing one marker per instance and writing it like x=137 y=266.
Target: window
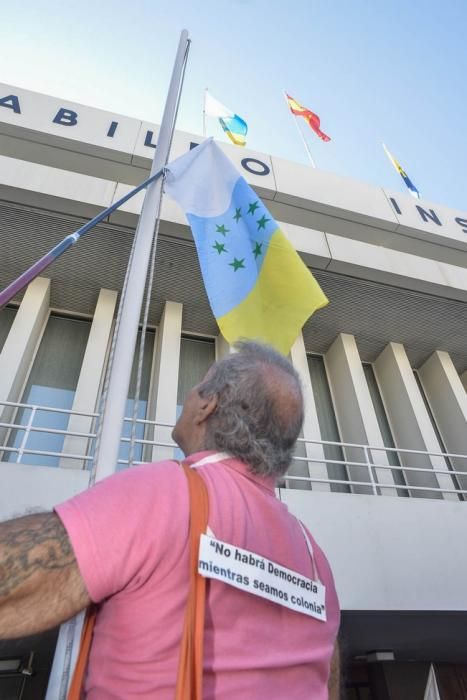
x=52 y=383
x=385 y=429
x=327 y=422
x=196 y=356
x=7 y=316
x=299 y=467
x=143 y=399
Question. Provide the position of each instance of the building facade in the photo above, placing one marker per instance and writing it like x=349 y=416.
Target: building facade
x=380 y=472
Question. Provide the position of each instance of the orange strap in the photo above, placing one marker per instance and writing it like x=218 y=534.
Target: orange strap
x=190 y=668
x=77 y=682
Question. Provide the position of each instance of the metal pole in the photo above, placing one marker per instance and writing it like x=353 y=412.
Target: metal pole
x=294 y=117
x=40 y=265
x=370 y=470
x=114 y=412
x=112 y=421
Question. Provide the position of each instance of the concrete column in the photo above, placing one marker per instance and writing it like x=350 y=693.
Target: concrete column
x=165 y=377
x=448 y=402
x=311 y=429
x=20 y=346
x=355 y=413
x=410 y=422
x=89 y=382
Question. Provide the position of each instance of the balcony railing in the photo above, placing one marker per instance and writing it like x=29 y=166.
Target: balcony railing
x=366 y=469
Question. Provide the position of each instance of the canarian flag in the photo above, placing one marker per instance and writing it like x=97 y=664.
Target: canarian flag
x=234 y=126
x=312 y=118
x=411 y=187
x=257 y=285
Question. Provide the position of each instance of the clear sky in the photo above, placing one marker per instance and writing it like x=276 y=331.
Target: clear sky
x=373 y=70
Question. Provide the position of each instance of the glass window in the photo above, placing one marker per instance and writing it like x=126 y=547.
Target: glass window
x=6 y=320
x=327 y=422
x=196 y=356
x=299 y=467
x=143 y=399
x=52 y=383
x=385 y=429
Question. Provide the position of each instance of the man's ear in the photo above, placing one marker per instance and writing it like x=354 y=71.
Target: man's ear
x=206 y=407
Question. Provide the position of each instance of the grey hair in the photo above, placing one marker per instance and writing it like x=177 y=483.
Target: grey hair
x=250 y=422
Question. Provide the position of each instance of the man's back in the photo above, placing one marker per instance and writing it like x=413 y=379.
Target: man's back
x=130 y=536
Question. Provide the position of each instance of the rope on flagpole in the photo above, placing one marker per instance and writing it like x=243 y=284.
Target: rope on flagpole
x=139 y=373
x=144 y=325
x=103 y=399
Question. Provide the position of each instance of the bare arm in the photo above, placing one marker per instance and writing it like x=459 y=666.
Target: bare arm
x=40 y=583
x=334 y=684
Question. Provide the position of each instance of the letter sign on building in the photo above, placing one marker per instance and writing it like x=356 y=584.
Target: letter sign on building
x=66 y=117
x=12 y=102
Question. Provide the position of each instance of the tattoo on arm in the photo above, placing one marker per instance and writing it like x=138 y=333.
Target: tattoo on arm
x=40 y=582
x=29 y=545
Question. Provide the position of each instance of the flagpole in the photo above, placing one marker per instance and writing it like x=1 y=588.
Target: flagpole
x=114 y=410
x=389 y=156
x=7 y=294
x=117 y=391
x=295 y=119
x=204 y=112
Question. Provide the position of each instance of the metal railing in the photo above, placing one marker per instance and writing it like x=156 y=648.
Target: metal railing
x=26 y=431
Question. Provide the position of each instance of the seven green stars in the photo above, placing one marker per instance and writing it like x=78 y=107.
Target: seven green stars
x=239 y=264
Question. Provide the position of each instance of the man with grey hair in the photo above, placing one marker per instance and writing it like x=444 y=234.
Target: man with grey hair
x=271 y=611
x=256 y=410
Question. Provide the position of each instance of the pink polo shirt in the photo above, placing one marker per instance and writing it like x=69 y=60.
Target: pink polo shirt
x=130 y=537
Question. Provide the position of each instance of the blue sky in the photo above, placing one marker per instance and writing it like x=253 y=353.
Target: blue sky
x=372 y=70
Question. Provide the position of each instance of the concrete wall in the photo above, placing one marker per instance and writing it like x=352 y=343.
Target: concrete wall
x=389 y=553
x=28 y=489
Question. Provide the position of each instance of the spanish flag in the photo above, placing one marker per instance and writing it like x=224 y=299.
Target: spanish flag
x=309 y=116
